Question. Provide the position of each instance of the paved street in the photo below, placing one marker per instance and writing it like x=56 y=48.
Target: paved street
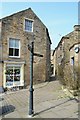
x=50 y=101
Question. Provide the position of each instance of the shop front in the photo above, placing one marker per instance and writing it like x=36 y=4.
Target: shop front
x=13 y=74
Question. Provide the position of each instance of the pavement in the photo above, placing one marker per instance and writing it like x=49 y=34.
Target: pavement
x=50 y=101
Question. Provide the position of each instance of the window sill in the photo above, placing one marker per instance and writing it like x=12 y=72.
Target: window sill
x=28 y=31
x=14 y=57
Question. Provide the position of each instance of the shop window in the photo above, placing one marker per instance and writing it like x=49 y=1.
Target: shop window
x=13 y=76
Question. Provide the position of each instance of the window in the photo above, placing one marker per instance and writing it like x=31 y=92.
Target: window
x=12 y=76
x=72 y=60
x=28 y=25
x=14 y=45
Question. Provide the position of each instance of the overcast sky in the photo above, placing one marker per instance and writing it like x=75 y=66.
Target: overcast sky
x=59 y=17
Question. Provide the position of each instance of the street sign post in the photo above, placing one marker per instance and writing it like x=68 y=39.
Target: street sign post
x=32 y=54
x=38 y=55
x=31 y=48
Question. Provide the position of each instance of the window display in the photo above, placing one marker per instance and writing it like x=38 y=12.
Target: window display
x=12 y=76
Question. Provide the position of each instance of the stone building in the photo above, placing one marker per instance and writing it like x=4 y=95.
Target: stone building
x=75 y=63
x=62 y=53
x=52 y=73
x=58 y=55
x=75 y=54
x=17 y=31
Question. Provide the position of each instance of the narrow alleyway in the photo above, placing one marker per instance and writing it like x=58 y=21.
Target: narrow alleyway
x=50 y=101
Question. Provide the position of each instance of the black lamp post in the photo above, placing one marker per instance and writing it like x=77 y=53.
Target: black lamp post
x=32 y=54
x=31 y=48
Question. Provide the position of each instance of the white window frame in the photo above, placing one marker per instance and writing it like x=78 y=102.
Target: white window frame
x=13 y=82
x=14 y=47
x=18 y=64
x=32 y=24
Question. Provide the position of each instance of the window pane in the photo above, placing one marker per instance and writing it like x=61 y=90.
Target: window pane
x=11 y=43
x=16 y=52
x=28 y=25
x=9 y=76
x=16 y=78
x=17 y=43
x=17 y=74
x=17 y=71
x=9 y=71
x=13 y=47
x=10 y=51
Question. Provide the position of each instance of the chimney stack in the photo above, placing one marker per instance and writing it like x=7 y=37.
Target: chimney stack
x=77 y=27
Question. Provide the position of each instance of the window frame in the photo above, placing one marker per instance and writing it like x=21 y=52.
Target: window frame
x=12 y=75
x=13 y=48
x=13 y=64
x=32 y=25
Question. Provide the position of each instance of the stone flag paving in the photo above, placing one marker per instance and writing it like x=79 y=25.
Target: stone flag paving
x=50 y=101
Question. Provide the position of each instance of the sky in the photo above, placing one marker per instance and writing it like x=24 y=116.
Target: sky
x=59 y=17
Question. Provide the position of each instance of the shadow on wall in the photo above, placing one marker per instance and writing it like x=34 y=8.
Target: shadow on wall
x=6 y=109
x=52 y=78
x=1 y=89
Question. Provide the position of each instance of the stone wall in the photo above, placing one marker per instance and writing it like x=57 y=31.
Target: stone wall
x=64 y=61
x=1 y=75
x=72 y=39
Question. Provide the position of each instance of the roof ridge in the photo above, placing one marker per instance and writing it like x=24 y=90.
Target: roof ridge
x=16 y=13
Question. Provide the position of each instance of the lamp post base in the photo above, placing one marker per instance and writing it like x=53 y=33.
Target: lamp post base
x=30 y=116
